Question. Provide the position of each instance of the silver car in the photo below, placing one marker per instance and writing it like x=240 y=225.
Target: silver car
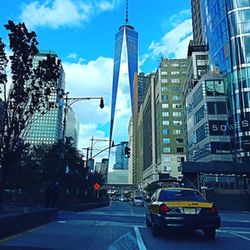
x=138 y=201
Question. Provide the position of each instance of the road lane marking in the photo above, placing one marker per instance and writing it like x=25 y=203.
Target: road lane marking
x=131 y=210
x=139 y=239
x=104 y=223
x=241 y=236
x=9 y=238
x=111 y=214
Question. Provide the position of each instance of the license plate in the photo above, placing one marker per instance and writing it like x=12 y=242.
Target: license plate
x=189 y=210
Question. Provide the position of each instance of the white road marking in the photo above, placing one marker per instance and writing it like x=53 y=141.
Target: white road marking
x=132 y=212
x=111 y=214
x=139 y=239
x=239 y=235
x=105 y=223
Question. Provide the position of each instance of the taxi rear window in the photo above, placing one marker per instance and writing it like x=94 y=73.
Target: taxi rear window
x=180 y=195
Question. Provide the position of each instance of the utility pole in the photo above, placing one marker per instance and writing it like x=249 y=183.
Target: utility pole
x=92 y=144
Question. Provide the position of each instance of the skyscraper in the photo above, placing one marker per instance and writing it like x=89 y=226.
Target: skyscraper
x=126 y=38
x=198 y=31
x=47 y=128
x=227 y=29
x=121 y=162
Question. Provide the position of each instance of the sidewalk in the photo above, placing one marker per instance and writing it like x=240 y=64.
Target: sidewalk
x=14 y=219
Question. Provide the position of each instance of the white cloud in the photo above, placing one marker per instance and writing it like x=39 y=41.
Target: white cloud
x=175 y=42
x=94 y=79
x=58 y=13
x=176 y=19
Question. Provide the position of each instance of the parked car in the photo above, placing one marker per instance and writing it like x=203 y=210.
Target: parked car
x=183 y=208
x=138 y=201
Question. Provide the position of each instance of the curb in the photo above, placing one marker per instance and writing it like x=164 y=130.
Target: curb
x=15 y=224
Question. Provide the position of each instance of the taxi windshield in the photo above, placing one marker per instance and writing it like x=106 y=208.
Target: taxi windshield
x=180 y=195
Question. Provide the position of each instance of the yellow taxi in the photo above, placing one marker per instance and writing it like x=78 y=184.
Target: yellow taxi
x=183 y=208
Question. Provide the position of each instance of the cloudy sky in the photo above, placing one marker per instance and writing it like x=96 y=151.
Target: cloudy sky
x=82 y=34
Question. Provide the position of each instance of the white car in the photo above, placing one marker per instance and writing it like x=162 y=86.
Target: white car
x=138 y=201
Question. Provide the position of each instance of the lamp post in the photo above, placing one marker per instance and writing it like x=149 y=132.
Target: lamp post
x=68 y=102
x=71 y=100
x=92 y=144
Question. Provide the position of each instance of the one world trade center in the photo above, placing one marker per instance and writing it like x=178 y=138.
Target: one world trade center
x=126 y=38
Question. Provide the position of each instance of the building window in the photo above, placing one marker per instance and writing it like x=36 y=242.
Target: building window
x=176 y=89
x=174 y=64
x=164 y=89
x=164 y=122
x=165 y=105
x=180 y=159
x=164 y=80
x=210 y=108
x=166 y=140
x=175 y=81
x=166 y=150
x=179 y=140
x=177 y=131
x=176 y=114
x=221 y=108
x=175 y=73
x=197 y=97
x=176 y=98
x=177 y=123
x=180 y=150
x=176 y=105
x=199 y=115
x=164 y=73
x=164 y=97
x=165 y=131
x=166 y=159
x=165 y=114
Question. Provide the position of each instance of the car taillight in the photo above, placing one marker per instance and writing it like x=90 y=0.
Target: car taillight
x=214 y=210
x=164 y=208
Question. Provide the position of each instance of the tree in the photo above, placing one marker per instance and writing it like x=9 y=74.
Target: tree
x=29 y=93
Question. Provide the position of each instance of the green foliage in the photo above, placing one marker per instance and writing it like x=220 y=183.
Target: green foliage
x=30 y=91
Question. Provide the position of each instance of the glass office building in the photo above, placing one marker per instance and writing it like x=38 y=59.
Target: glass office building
x=227 y=28
x=126 y=38
x=47 y=128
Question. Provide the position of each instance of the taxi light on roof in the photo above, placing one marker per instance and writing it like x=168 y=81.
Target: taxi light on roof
x=164 y=208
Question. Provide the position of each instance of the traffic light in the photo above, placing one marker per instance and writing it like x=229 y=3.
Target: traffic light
x=127 y=152
x=101 y=103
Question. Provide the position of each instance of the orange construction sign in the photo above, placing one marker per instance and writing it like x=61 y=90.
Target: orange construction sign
x=97 y=186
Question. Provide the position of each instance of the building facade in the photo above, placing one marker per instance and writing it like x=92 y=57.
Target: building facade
x=227 y=30
x=198 y=30
x=126 y=38
x=47 y=128
x=121 y=162
x=72 y=127
x=169 y=115
x=207 y=121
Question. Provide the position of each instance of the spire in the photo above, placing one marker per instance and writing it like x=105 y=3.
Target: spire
x=126 y=20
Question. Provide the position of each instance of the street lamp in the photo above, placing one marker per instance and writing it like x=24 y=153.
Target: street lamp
x=92 y=144
x=71 y=100
x=68 y=102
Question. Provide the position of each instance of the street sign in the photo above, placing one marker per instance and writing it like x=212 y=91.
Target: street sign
x=97 y=186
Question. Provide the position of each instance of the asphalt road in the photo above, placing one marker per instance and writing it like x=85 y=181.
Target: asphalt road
x=122 y=227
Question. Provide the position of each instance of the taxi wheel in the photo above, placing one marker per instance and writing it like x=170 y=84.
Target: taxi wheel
x=155 y=230
x=210 y=233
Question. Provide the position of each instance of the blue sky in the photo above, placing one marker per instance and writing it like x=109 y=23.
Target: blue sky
x=82 y=33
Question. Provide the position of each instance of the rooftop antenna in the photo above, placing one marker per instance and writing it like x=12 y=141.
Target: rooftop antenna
x=126 y=12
